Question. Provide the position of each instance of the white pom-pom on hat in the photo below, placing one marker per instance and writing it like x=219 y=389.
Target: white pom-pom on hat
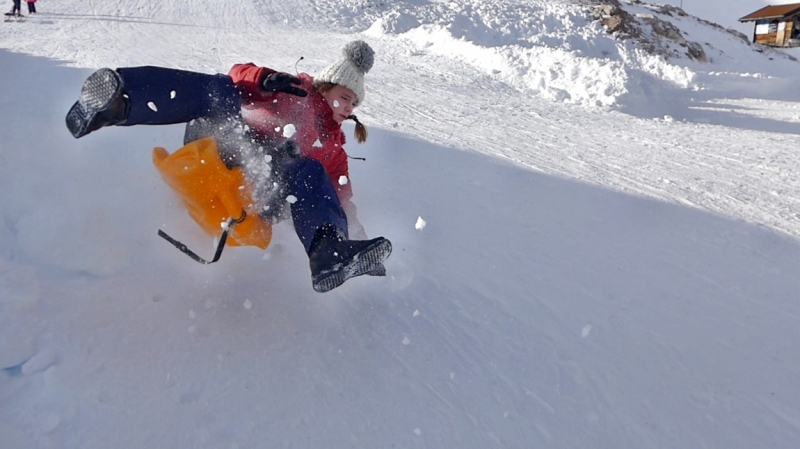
x=349 y=71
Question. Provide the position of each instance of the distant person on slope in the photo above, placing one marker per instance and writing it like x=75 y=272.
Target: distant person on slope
x=16 y=10
x=31 y=6
x=255 y=113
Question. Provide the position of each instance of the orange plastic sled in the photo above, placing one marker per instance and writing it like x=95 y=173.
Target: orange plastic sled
x=212 y=193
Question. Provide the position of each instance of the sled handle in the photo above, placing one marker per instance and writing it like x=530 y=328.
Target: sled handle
x=220 y=246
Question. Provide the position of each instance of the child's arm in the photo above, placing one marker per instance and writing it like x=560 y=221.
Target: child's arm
x=247 y=78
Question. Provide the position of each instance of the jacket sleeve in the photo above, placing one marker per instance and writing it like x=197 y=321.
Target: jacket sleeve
x=247 y=79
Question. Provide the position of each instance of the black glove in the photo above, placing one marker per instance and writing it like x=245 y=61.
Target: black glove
x=282 y=82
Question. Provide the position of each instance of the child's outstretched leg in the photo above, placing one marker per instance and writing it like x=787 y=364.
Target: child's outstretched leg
x=101 y=104
x=150 y=96
x=321 y=224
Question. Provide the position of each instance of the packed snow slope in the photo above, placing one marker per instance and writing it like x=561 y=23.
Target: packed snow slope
x=594 y=246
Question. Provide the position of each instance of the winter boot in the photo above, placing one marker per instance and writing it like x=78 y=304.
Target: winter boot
x=102 y=103
x=380 y=270
x=334 y=259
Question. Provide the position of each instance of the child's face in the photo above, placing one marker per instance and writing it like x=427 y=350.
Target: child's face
x=342 y=101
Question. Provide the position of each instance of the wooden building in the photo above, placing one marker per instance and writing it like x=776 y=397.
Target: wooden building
x=776 y=25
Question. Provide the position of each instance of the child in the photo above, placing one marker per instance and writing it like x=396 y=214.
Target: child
x=257 y=114
x=31 y=6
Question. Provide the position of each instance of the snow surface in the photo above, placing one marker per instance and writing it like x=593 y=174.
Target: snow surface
x=608 y=255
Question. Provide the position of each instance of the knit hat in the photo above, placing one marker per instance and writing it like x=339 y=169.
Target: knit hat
x=349 y=72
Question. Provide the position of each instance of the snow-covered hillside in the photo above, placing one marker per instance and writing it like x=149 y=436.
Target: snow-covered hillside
x=608 y=258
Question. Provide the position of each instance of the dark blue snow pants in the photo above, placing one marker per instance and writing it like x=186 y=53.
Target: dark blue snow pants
x=161 y=96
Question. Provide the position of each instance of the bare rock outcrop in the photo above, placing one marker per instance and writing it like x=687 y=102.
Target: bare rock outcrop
x=652 y=33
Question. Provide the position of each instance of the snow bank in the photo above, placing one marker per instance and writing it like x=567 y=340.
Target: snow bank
x=560 y=52
x=553 y=51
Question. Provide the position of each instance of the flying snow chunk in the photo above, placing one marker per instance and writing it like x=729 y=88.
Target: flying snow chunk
x=342 y=180
x=418 y=431
x=317 y=144
x=406 y=341
x=152 y=106
x=289 y=130
x=420 y=225
x=291 y=199
x=172 y=95
x=335 y=103
x=586 y=330
x=248 y=304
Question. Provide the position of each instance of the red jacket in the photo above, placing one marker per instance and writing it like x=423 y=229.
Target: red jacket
x=317 y=134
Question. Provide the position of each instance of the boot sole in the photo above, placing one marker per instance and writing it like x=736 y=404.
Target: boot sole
x=97 y=93
x=368 y=261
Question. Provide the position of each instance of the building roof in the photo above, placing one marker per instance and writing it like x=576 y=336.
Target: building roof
x=773 y=12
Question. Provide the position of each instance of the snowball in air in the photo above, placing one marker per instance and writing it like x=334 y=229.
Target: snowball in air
x=291 y=199
x=342 y=180
x=289 y=130
x=420 y=225
x=152 y=106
